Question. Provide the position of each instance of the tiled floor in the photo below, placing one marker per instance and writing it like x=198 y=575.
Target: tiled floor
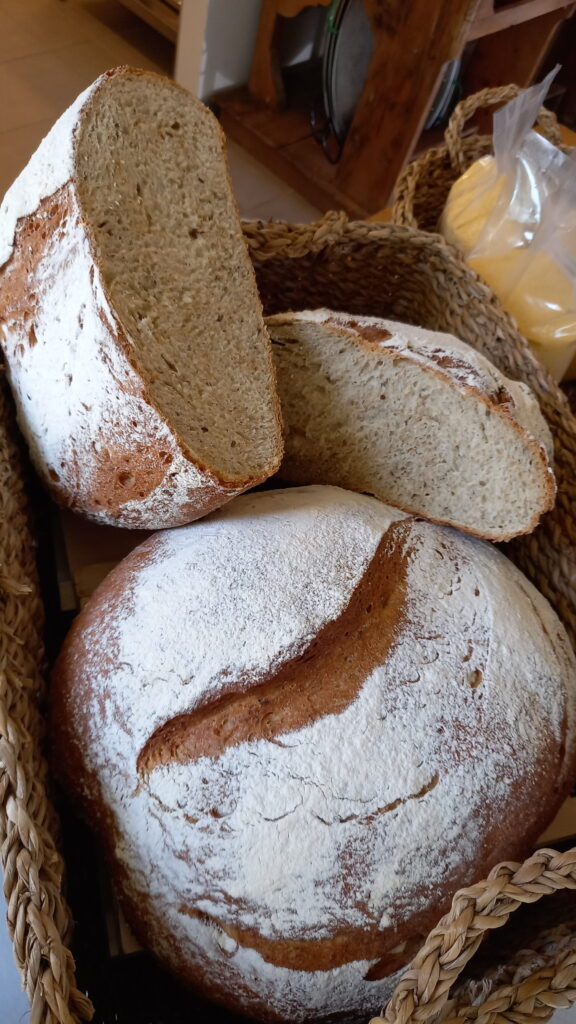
x=52 y=49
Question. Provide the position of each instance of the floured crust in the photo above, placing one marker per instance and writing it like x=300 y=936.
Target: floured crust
x=98 y=439
x=465 y=370
x=321 y=810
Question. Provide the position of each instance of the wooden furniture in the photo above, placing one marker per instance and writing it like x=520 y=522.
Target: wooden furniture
x=413 y=40
x=160 y=14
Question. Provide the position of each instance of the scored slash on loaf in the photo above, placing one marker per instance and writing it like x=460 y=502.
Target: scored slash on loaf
x=415 y=417
x=132 y=327
x=299 y=726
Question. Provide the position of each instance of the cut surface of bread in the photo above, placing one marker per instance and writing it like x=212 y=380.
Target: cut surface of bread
x=176 y=268
x=415 y=417
x=143 y=191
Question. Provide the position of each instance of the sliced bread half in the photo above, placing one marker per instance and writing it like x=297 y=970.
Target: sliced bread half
x=415 y=417
x=132 y=326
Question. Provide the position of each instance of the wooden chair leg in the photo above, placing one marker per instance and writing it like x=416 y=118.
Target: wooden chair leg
x=265 y=81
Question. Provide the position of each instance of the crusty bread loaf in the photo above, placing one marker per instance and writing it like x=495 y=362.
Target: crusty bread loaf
x=132 y=327
x=415 y=417
x=299 y=726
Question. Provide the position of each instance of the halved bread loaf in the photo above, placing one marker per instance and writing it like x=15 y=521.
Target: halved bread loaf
x=132 y=326
x=415 y=417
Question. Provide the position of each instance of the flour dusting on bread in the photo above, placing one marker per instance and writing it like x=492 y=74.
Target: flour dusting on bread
x=346 y=829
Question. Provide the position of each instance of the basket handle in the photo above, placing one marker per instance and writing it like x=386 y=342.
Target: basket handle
x=424 y=988
x=267 y=239
x=466 y=109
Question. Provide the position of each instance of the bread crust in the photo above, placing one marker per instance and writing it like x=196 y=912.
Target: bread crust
x=122 y=463
x=200 y=938
x=368 y=334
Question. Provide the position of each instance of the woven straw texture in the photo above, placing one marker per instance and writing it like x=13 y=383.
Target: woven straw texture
x=422 y=188
x=38 y=920
x=422 y=993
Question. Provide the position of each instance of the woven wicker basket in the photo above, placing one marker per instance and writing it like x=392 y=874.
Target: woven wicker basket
x=361 y=268
x=422 y=188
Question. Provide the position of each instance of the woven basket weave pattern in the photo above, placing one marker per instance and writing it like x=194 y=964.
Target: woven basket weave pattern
x=424 y=184
x=38 y=919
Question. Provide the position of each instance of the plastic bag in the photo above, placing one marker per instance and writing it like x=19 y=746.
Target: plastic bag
x=514 y=216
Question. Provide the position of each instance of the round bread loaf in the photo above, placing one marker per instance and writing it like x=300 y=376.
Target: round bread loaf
x=299 y=726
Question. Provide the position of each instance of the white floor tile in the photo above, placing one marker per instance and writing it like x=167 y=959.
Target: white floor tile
x=253 y=184
x=16 y=148
x=287 y=205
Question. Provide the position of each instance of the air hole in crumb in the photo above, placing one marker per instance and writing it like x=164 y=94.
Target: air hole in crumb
x=475 y=678
x=53 y=475
x=215 y=813
x=382 y=396
x=204 y=430
x=193 y=232
x=175 y=126
x=369 y=608
x=232 y=444
x=138 y=189
x=125 y=479
x=32 y=339
x=166 y=457
x=476 y=592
